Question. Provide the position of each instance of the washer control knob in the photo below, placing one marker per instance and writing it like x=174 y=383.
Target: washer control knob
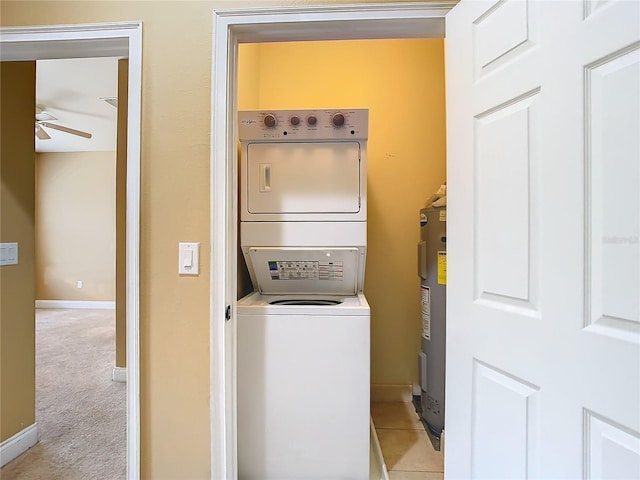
x=337 y=120
x=270 y=120
x=312 y=120
x=295 y=120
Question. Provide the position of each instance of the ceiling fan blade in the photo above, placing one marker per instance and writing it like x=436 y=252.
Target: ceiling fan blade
x=41 y=134
x=73 y=131
x=113 y=101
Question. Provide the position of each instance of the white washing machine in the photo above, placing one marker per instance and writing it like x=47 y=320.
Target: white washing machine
x=303 y=335
x=303 y=387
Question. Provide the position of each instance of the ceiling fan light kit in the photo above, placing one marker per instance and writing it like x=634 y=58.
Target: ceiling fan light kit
x=42 y=115
x=40 y=133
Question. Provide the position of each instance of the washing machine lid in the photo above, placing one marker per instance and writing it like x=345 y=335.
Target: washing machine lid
x=331 y=271
x=258 y=304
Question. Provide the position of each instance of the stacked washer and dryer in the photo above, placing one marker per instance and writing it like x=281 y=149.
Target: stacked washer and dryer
x=303 y=334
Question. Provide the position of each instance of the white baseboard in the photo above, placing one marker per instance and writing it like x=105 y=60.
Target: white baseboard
x=96 y=304
x=391 y=393
x=378 y=469
x=119 y=374
x=18 y=444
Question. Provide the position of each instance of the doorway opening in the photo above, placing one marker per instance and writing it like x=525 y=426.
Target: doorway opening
x=80 y=284
x=279 y=25
x=122 y=40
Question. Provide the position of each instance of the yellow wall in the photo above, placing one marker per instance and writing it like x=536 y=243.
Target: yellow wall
x=248 y=99
x=174 y=322
x=401 y=82
x=17 y=282
x=75 y=226
x=249 y=76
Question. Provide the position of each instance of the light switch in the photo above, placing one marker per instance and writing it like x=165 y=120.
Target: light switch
x=9 y=253
x=188 y=256
x=187 y=259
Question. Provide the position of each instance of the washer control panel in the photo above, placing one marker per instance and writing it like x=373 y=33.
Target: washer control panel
x=296 y=125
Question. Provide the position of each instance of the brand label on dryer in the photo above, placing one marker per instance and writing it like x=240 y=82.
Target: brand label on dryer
x=305 y=270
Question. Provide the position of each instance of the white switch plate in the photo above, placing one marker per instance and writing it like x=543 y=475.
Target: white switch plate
x=188 y=258
x=9 y=253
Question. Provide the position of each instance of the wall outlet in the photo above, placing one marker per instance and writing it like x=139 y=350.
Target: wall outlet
x=80 y=284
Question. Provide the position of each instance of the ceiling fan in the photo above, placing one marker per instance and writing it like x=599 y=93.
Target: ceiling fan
x=43 y=121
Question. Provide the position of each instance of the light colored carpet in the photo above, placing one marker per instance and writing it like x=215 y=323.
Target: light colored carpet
x=81 y=413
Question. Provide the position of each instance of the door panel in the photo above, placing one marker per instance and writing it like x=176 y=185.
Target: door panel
x=543 y=336
x=505 y=203
x=513 y=425
x=612 y=450
x=502 y=33
x=613 y=190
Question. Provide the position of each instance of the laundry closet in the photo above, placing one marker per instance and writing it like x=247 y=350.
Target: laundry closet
x=401 y=84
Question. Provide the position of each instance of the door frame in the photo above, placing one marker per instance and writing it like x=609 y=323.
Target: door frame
x=122 y=39
x=230 y=28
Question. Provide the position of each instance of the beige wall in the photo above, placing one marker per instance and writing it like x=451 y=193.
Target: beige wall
x=121 y=215
x=17 y=211
x=174 y=323
x=401 y=82
x=75 y=226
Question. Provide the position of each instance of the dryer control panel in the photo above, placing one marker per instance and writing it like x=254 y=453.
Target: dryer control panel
x=296 y=125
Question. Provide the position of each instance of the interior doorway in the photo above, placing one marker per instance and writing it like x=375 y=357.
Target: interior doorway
x=405 y=165
x=246 y=26
x=80 y=249
x=123 y=40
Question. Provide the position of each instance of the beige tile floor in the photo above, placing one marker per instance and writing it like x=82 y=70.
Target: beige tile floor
x=406 y=448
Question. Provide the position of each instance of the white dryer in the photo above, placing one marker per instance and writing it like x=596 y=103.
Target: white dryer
x=303 y=335
x=303 y=165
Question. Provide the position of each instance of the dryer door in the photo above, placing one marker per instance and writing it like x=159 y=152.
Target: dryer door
x=302 y=178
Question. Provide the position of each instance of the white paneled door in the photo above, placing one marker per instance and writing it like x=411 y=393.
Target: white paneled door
x=543 y=338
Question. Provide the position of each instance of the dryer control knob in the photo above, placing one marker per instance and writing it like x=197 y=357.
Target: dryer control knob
x=312 y=120
x=337 y=120
x=295 y=120
x=270 y=120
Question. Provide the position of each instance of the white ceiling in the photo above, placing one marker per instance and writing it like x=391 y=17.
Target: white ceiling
x=71 y=90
